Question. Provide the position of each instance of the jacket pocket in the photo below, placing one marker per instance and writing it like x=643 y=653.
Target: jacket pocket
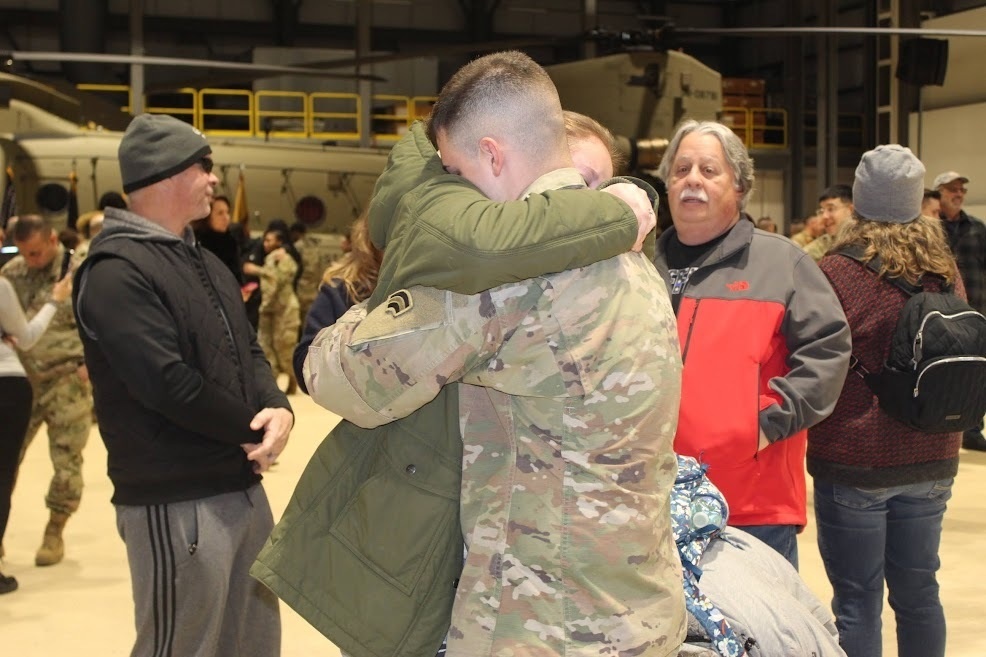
x=185 y=516
x=404 y=510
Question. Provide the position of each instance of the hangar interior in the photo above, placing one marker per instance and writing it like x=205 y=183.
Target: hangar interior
x=829 y=96
x=837 y=95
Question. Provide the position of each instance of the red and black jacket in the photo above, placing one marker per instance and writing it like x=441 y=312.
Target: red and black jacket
x=765 y=345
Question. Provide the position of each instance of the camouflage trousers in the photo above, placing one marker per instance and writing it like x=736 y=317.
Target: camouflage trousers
x=278 y=335
x=64 y=404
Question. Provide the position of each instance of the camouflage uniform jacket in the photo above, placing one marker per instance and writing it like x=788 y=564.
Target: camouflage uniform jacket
x=369 y=549
x=315 y=256
x=818 y=247
x=59 y=351
x=277 y=284
x=567 y=423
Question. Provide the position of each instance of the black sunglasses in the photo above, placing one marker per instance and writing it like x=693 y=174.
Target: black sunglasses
x=206 y=164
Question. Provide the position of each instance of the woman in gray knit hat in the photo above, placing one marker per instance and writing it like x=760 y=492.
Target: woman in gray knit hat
x=881 y=486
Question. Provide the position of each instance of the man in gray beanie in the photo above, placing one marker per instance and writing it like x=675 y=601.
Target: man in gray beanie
x=187 y=405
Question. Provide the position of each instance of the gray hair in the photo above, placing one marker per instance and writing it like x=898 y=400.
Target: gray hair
x=736 y=154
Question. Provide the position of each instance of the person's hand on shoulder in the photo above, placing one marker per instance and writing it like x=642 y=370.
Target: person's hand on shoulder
x=640 y=203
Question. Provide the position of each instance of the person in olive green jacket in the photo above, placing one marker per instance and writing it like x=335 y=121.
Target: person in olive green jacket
x=369 y=549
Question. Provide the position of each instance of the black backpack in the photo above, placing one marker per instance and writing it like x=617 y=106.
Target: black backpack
x=934 y=379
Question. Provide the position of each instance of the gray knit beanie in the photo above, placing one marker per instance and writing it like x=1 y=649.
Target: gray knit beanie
x=889 y=185
x=157 y=146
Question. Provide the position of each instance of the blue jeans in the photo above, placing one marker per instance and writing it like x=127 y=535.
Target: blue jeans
x=783 y=538
x=866 y=536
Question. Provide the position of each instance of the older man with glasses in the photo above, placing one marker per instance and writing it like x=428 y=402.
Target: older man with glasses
x=967 y=238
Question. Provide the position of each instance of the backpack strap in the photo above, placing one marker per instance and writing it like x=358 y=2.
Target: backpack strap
x=857 y=252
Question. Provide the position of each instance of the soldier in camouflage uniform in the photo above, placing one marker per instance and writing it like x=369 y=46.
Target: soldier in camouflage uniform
x=567 y=418
x=279 y=316
x=314 y=258
x=57 y=372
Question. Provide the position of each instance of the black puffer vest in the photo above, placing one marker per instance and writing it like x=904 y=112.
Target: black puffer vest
x=152 y=459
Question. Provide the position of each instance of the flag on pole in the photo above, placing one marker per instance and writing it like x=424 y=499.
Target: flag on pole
x=73 y=200
x=241 y=212
x=9 y=207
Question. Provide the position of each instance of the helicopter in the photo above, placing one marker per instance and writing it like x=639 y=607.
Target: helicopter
x=47 y=153
x=322 y=182
x=640 y=93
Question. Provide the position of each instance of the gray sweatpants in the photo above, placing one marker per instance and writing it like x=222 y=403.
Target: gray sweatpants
x=189 y=563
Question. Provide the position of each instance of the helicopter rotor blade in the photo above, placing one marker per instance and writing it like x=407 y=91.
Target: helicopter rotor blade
x=147 y=60
x=794 y=31
x=381 y=58
x=442 y=51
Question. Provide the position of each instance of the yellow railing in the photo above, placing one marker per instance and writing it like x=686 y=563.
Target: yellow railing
x=226 y=112
x=282 y=113
x=279 y=114
x=758 y=127
x=395 y=115
x=334 y=116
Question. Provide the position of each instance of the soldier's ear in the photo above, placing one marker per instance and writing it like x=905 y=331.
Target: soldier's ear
x=491 y=154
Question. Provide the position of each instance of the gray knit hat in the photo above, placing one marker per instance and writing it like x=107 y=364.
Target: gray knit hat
x=157 y=146
x=889 y=185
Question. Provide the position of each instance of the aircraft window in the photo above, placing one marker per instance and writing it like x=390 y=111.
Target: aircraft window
x=52 y=197
x=310 y=210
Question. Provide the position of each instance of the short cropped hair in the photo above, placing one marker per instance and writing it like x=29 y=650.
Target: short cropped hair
x=504 y=89
x=29 y=225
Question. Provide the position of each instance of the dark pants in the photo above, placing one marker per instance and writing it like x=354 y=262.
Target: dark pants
x=15 y=413
x=783 y=538
x=189 y=567
x=868 y=536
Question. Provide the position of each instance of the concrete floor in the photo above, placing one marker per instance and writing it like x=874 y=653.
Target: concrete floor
x=82 y=607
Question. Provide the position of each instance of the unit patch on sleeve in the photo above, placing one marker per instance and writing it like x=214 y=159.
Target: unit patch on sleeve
x=399 y=303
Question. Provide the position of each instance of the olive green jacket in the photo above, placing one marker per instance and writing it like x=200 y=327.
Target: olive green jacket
x=369 y=549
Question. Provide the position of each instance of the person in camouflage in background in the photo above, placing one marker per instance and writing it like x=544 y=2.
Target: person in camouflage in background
x=279 y=315
x=57 y=372
x=567 y=421
x=315 y=258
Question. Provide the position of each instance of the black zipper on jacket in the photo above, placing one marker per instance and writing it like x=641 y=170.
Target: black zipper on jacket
x=691 y=327
x=222 y=313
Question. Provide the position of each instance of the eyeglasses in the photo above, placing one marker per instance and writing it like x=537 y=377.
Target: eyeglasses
x=206 y=164
x=956 y=190
x=831 y=206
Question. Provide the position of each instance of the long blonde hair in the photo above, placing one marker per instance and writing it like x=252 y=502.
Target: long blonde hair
x=907 y=251
x=358 y=269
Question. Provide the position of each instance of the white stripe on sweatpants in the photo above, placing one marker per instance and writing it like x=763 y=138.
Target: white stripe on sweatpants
x=189 y=568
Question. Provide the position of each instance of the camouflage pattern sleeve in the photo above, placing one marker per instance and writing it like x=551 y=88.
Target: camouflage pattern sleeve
x=373 y=368
x=277 y=282
x=59 y=348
